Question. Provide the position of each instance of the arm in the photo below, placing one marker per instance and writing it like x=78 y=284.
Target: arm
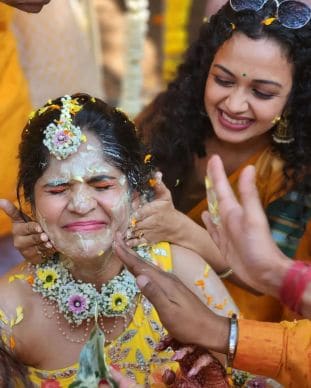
x=244 y=237
x=160 y=221
x=278 y=350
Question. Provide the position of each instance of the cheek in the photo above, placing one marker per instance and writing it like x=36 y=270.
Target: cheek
x=48 y=211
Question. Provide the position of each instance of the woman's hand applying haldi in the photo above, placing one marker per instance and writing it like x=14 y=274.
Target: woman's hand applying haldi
x=157 y=220
x=29 y=237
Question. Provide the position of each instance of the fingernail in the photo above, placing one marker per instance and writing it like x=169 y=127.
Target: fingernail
x=142 y=281
x=38 y=229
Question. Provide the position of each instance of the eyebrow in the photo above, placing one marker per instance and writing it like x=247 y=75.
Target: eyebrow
x=94 y=179
x=258 y=81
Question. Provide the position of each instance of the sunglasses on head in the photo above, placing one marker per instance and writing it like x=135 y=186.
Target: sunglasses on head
x=290 y=13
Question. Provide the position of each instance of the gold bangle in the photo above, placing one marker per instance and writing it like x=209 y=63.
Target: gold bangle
x=226 y=273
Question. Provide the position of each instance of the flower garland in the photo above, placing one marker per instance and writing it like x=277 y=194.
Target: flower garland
x=78 y=301
x=175 y=39
x=136 y=18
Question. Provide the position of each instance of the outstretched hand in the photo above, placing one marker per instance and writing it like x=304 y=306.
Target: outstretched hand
x=185 y=317
x=243 y=237
x=31 y=6
x=29 y=237
x=155 y=221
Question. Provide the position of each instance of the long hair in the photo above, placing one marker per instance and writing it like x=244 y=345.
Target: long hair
x=175 y=126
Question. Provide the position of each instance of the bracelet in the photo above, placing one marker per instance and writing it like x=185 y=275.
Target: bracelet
x=233 y=341
x=294 y=284
x=226 y=273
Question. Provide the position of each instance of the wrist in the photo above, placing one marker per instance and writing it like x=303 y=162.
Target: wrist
x=215 y=333
x=271 y=278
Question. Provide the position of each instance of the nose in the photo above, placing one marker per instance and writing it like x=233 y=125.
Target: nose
x=81 y=201
x=236 y=102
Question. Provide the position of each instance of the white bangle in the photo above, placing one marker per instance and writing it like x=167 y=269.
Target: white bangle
x=233 y=340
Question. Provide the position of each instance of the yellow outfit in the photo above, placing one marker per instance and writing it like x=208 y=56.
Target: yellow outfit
x=133 y=351
x=279 y=350
x=270 y=181
x=14 y=110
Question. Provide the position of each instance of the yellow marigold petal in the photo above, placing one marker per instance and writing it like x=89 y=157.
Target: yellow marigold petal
x=147 y=158
x=3 y=317
x=152 y=182
x=268 y=21
x=200 y=283
x=30 y=279
x=12 y=343
x=133 y=222
x=19 y=315
x=93 y=99
x=32 y=115
x=209 y=300
x=16 y=276
x=206 y=270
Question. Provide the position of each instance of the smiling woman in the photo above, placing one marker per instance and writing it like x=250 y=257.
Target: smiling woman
x=83 y=173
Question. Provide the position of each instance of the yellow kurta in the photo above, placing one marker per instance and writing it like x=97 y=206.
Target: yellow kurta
x=14 y=109
x=269 y=180
x=133 y=351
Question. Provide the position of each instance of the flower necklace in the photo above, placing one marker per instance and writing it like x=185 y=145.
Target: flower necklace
x=78 y=301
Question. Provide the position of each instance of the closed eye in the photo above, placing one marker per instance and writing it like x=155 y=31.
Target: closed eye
x=57 y=189
x=223 y=82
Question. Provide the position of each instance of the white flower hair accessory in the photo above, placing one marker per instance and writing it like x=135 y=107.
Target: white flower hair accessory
x=62 y=138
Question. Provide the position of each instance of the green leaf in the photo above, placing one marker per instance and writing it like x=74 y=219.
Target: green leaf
x=92 y=364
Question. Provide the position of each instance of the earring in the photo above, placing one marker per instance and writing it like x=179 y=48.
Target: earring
x=282 y=134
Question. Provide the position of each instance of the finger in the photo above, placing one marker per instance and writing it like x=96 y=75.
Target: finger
x=200 y=363
x=135 y=242
x=211 y=227
x=154 y=293
x=32 y=255
x=249 y=195
x=26 y=228
x=225 y=195
x=133 y=262
x=12 y=211
x=160 y=190
x=32 y=240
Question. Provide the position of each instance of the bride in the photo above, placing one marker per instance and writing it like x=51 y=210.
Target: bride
x=83 y=174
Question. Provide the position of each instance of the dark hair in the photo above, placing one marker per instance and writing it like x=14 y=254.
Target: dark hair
x=12 y=372
x=175 y=126
x=112 y=127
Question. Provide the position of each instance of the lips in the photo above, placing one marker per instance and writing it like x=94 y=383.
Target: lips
x=85 y=226
x=235 y=123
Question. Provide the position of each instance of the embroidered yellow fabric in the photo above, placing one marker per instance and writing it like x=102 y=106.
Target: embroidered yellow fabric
x=133 y=351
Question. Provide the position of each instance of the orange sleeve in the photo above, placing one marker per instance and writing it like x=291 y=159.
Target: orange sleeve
x=278 y=350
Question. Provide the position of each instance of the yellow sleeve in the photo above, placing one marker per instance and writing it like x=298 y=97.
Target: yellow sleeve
x=278 y=350
x=14 y=110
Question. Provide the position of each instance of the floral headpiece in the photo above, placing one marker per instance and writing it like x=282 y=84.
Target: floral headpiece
x=62 y=138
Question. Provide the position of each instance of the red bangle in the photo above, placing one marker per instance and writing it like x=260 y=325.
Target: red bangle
x=294 y=284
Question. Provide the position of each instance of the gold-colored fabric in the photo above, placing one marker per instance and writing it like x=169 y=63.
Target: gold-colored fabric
x=14 y=110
